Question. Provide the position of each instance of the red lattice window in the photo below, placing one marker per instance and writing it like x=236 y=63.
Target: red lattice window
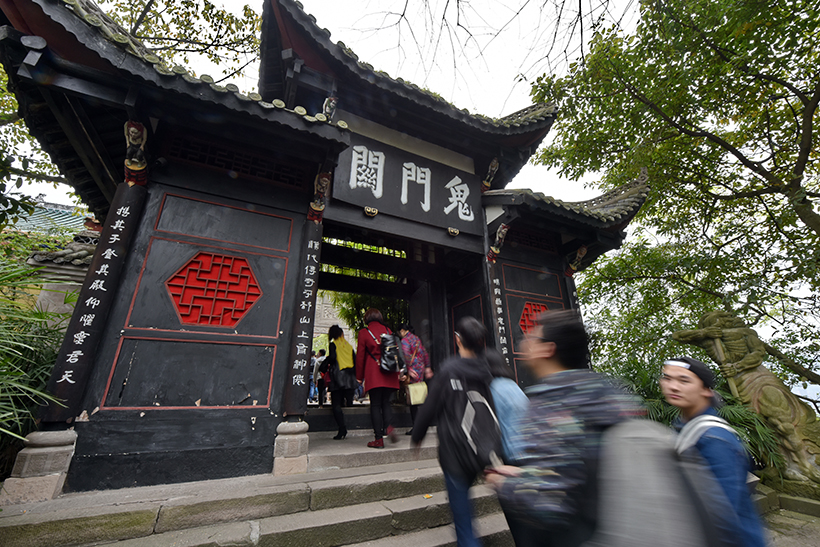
x=213 y=289
x=531 y=311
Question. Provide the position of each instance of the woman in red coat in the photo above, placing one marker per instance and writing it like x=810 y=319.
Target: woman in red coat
x=378 y=384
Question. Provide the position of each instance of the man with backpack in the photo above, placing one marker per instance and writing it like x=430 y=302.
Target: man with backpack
x=459 y=402
x=554 y=492
x=687 y=384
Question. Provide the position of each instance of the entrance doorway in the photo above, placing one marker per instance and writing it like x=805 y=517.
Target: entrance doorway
x=432 y=284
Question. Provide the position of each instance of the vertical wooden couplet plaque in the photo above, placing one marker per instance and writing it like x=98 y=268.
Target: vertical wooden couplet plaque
x=76 y=357
x=498 y=311
x=298 y=377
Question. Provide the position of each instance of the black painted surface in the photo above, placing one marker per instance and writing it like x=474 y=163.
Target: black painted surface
x=109 y=471
x=154 y=308
x=442 y=209
x=160 y=375
x=148 y=373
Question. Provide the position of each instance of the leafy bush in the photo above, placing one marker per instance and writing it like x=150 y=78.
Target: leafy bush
x=29 y=341
x=760 y=439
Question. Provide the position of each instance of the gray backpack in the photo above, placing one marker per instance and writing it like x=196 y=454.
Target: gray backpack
x=651 y=494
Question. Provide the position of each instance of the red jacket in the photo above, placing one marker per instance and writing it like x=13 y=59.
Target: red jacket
x=367 y=359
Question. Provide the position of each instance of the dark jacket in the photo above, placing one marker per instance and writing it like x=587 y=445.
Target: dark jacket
x=438 y=407
x=560 y=437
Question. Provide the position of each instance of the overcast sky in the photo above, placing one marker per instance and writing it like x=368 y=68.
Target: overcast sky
x=475 y=67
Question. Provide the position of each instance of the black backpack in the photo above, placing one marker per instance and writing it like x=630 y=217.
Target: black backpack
x=392 y=356
x=471 y=431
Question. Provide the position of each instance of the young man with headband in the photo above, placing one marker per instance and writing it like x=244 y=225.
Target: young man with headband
x=687 y=384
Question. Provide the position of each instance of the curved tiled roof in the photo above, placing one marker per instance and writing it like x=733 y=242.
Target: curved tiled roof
x=614 y=208
x=50 y=216
x=142 y=62
x=523 y=121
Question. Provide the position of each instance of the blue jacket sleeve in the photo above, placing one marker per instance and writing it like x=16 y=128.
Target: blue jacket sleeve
x=728 y=461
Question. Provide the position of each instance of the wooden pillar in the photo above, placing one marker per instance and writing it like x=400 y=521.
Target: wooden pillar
x=77 y=354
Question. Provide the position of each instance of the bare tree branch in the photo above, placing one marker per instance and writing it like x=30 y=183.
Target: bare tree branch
x=37 y=176
x=798 y=369
x=9 y=118
x=141 y=18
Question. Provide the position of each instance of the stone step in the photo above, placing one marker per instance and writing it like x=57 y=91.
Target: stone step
x=326 y=453
x=394 y=522
x=491 y=530
x=89 y=517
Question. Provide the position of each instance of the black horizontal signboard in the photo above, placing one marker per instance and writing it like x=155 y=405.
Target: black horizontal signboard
x=402 y=184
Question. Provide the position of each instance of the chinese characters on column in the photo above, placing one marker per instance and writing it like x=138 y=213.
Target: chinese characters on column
x=97 y=286
x=304 y=319
x=88 y=323
x=504 y=334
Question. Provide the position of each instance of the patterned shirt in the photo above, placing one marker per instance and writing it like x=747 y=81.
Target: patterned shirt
x=560 y=439
x=411 y=344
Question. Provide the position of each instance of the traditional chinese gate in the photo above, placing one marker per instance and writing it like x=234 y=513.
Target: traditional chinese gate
x=190 y=340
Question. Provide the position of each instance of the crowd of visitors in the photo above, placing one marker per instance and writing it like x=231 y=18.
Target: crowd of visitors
x=541 y=450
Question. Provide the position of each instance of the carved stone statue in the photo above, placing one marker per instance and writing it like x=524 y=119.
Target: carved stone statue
x=329 y=107
x=135 y=138
x=739 y=353
x=135 y=161
x=317 y=205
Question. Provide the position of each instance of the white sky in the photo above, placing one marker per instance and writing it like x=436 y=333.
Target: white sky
x=485 y=71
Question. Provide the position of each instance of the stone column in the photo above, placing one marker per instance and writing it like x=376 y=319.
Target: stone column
x=290 y=450
x=40 y=468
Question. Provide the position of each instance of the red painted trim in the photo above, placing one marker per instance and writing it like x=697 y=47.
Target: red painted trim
x=139 y=282
x=230 y=407
x=199 y=247
x=221 y=284
x=181 y=196
x=560 y=285
x=273 y=339
x=544 y=300
x=293 y=36
x=111 y=373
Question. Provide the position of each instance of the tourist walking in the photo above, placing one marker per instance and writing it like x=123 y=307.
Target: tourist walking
x=339 y=368
x=687 y=384
x=469 y=371
x=552 y=491
x=379 y=385
x=417 y=363
x=318 y=378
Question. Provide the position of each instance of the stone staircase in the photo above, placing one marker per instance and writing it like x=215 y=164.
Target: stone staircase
x=351 y=495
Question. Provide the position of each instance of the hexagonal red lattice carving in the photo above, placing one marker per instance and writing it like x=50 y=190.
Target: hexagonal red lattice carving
x=213 y=289
x=528 y=316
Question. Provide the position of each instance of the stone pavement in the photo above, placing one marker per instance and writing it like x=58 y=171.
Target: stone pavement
x=791 y=529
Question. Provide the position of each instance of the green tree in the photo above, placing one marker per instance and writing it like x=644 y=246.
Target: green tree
x=351 y=308
x=29 y=341
x=179 y=32
x=719 y=100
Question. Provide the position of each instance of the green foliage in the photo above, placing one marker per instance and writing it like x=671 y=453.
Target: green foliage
x=351 y=308
x=12 y=204
x=759 y=438
x=177 y=31
x=181 y=30
x=29 y=341
x=17 y=245
x=719 y=100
